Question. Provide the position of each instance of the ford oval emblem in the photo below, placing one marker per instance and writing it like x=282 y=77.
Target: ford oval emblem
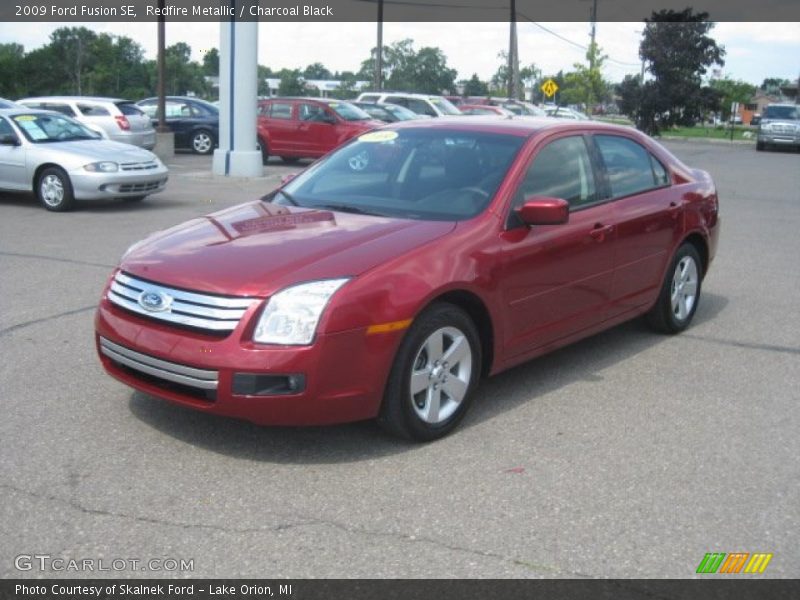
x=154 y=301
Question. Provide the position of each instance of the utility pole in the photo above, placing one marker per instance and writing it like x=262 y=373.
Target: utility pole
x=379 y=56
x=513 y=56
x=593 y=19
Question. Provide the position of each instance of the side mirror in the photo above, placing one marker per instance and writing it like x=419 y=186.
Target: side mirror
x=8 y=139
x=541 y=210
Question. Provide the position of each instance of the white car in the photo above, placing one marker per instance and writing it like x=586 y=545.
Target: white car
x=562 y=112
x=422 y=104
x=60 y=160
x=113 y=118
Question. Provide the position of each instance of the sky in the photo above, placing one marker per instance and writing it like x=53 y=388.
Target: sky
x=754 y=50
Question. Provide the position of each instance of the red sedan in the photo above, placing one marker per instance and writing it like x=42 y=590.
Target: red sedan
x=386 y=279
x=295 y=128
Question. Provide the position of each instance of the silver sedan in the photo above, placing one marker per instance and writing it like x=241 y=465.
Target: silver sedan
x=61 y=160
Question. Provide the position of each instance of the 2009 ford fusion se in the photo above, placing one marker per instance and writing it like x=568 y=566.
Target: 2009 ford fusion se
x=388 y=277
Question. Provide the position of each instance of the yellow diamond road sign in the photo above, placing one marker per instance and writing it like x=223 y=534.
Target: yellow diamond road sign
x=549 y=88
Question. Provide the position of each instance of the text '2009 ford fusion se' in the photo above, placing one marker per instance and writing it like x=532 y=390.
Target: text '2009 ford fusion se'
x=388 y=277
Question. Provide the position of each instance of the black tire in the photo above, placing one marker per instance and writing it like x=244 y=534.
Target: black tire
x=668 y=316
x=290 y=160
x=203 y=142
x=54 y=190
x=760 y=146
x=400 y=411
x=134 y=198
x=264 y=151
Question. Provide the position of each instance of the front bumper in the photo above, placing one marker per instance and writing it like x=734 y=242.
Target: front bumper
x=121 y=184
x=344 y=374
x=779 y=138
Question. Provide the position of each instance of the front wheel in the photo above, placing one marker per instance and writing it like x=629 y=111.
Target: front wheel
x=435 y=371
x=54 y=190
x=202 y=142
x=680 y=292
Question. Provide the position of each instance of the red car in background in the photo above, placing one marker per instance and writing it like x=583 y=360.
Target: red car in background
x=386 y=279
x=295 y=128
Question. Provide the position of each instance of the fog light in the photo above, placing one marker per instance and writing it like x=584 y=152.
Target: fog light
x=257 y=384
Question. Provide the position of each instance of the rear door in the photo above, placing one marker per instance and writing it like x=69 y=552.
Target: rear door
x=280 y=122
x=648 y=216
x=316 y=135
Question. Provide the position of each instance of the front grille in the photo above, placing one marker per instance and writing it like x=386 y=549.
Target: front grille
x=212 y=313
x=198 y=382
x=139 y=187
x=138 y=166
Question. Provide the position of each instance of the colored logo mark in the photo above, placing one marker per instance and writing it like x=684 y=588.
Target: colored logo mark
x=721 y=562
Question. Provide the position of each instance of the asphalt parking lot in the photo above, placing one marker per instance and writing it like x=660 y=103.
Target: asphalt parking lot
x=626 y=455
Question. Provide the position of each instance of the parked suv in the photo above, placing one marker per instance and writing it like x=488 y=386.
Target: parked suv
x=113 y=118
x=779 y=126
x=422 y=104
x=295 y=128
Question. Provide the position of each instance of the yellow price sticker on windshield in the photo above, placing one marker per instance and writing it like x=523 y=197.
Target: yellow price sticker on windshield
x=378 y=136
x=21 y=118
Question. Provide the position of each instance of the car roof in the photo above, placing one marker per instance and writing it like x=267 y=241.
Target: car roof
x=75 y=99
x=307 y=99
x=512 y=125
x=10 y=112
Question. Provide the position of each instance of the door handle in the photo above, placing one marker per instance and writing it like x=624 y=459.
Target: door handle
x=674 y=209
x=600 y=231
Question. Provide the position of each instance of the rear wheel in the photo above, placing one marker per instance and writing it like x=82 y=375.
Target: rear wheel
x=54 y=190
x=680 y=292
x=435 y=371
x=202 y=142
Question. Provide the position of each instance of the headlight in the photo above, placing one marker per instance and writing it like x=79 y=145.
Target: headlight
x=291 y=316
x=102 y=167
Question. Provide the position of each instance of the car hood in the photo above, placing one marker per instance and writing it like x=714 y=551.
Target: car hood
x=81 y=152
x=257 y=248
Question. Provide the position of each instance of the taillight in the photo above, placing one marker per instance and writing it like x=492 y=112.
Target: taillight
x=123 y=122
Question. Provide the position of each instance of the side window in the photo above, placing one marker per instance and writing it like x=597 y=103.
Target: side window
x=90 y=110
x=5 y=128
x=369 y=98
x=149 y=109
x=420 y=107
x=280 y=110
x=64 y=109
x=263 y=110
x=177 y=109
x=562 y=169
x=310 y=112
x=398 y=100
x=629 y=166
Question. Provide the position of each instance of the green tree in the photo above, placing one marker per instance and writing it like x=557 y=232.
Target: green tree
x=406 y=69
x=211 y=63
x=586 y=84
x=292 y=83
x=475 y=87
x=74 y=48
x=317 y=71
x=678 y=51
x=182 y=74
x=12 y=70
x=730 y=91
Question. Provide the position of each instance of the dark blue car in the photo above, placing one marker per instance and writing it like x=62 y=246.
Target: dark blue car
x=195 y=122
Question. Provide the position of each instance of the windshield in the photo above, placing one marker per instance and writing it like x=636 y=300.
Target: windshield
x=400 y=112
x=781 y=112
x=425 y=174
x=348 y=111
x=51 y=127
x=445 y=106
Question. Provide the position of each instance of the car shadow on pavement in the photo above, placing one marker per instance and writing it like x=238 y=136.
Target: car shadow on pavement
x=92 y=206
x=366 y=441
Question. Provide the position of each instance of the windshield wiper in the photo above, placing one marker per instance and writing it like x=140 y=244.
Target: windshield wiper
x=288 y=196
x=346 y=208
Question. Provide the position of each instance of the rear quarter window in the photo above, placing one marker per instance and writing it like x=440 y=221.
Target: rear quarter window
x=93 y=110
x=130 y=109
